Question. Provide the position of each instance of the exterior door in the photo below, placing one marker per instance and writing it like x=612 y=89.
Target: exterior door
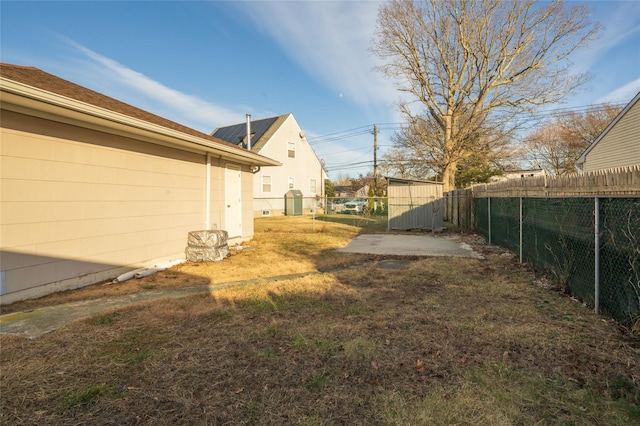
x=233 y=201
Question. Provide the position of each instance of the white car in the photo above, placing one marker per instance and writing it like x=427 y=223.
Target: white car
x=355 y=206
x=336 y=206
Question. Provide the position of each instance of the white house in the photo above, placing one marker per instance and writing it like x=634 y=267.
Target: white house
x=619 y=143
x=281 y=139
x=518 y=174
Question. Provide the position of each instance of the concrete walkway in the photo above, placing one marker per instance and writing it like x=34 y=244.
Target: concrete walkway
x=36 y=322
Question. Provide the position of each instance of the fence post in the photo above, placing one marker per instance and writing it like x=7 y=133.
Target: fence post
x=596 y=268
x=521 y=220
x=489 y=216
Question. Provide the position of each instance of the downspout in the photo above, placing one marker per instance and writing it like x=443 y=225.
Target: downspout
x=207 y=197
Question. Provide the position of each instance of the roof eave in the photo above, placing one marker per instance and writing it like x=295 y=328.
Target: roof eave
x=22 y=97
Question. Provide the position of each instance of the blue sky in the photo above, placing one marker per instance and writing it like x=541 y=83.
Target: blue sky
x=206 y=64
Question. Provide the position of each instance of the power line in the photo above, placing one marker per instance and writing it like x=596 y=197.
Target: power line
x=367 y=129
x=351 y=161
x=362 y=130
x=350 y=133
x=342 y=131
x=358 y=165
x=317 y=141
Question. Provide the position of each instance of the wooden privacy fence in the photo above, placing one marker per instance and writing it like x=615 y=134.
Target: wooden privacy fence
x=610 y=183
x=620 y=182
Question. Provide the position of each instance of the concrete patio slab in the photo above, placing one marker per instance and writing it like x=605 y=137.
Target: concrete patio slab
x=410 y=245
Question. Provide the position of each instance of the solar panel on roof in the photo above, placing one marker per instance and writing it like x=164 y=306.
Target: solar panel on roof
x=236 y=134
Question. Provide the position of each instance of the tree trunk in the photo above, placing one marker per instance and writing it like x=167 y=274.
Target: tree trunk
x=449 y=171
x=449 y=177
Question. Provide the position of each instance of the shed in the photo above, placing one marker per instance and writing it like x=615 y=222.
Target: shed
x=414 y=204
x=293 y=202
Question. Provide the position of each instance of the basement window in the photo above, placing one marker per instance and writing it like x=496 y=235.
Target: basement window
x=266 y=213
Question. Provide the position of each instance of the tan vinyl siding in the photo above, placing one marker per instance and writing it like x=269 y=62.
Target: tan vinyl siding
x=620 y=146
x=77 y=202
x=247 y=200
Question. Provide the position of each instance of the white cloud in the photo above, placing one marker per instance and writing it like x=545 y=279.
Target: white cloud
x=185 y=109
x=626 y=92
x=330 y=40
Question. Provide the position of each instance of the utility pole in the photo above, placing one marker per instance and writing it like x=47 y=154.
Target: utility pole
x=375 y=160
x=375 y=167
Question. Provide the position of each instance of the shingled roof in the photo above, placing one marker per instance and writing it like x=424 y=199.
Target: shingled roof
x=42 y=80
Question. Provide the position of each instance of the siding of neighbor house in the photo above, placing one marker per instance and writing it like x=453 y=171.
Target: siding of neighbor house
x=304 y=167
x=272 y=138
x=620 y=146
x=81 y=203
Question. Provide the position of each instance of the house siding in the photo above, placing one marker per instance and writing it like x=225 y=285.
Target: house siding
x=78 y=206
x=620 y=147
x=302 y=168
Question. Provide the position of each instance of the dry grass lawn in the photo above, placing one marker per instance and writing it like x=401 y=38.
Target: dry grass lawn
x=369 y=340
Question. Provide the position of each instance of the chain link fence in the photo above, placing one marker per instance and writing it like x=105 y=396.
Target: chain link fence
x=357 y=205
x=589 y=246
x=620 y=258
x=276 y=206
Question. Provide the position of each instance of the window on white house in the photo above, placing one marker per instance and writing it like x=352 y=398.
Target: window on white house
x=292 y=183
x=291 y=149
x=312 y=186
x=266 y=183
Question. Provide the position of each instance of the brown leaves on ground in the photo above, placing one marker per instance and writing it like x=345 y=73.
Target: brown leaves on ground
x=443 y=341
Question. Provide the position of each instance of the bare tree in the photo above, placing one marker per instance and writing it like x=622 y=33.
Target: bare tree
x=342 y=178
x=477 y=67
x=545 y=149
x=580 y=129
x=557 y=145
x=410 y=156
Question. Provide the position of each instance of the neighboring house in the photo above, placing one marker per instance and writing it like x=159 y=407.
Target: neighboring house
x=346 y=191
x=282 y=139
x=619 y=143
x=93 y=187
x=517 y=174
